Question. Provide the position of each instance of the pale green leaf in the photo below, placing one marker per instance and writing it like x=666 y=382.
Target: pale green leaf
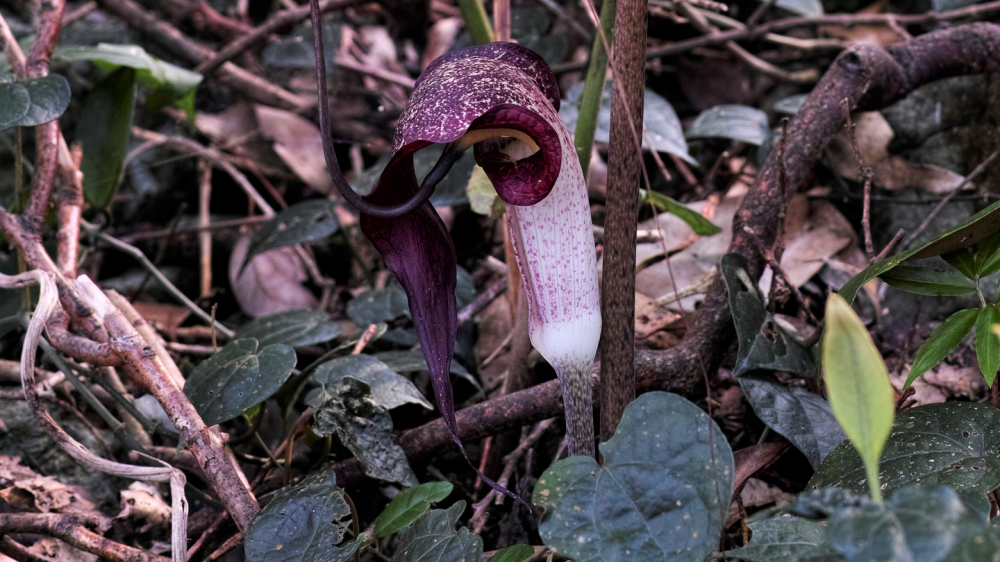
x=987 y=344
x=857 y=384
x=408 y=506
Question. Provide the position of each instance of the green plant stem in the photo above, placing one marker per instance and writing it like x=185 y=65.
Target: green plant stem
x=874 y=486
x=593 y=87
x=476 y=21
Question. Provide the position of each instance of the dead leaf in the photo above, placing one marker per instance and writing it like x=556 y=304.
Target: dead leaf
x=891 y=172
x=143 y=501
x=818 y=232
x=271 y=282
x=297 y=141
x=944 y=382
x=164 y=317
x=25 y=490
x=440 y=39
x=650 y=317
x=54 y=550
x=878 y=35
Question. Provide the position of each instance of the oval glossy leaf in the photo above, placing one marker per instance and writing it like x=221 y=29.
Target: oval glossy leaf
x=791 y=104
x=33 y=102
x=699 y=224
x=975 y=229
x=807 y=8
x=942 y=341
x=802 y=417
x=737 y=122
x=783 y=538
x=378 y=305
x=104 y=129
x=954 y=443
x=303 y=222
x=857 y=384
x=240 y=376
x=923 y=281
x=659 y=118
x=763 y=343
x=296 y=328
x=661 y=495
x=516 y=553
x=408 y=506
x=433 y=538
x=449 y=191
x=963 y=261
x=302 y=523
x=987 y=344
x=388 y=388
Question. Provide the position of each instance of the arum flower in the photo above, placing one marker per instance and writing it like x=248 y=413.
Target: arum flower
x=502 y=100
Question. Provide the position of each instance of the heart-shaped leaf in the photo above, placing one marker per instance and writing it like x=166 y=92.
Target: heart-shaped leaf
x=433 y=538
x=408 y=506
x=363 y=426
x=784 y=539
x=942 y=341
x=296 y=328
x=388 y=388
x=303 y=523
x=737 y=122
x=954 y=443
x=303 y=222
x=923 y=281
x=238 y=377
x=800 y=416
x=763 y=343
x=858 y=386
x=378 y=305
x=661 y=495
x=975 y=229
x=33 y=102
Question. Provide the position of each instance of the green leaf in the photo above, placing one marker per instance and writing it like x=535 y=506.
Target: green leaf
x=408 y=506
x=363 y=426
x=783 y=539
x=982 y=544
x=33 y=102
x=433 y=538
x=923 y=281
x=104 y=129
x=763 y=343
x=802 y=417
x=918 y=524
x=963 y=261
x=296 y=50
x=954 y=443
x=413 y=360
x=987 y=344
x=988 y=255
x=661 y=495
x=378 y=305
x=699 y=224
x=388 y=388
x=975 y=229
x=241 y=375
x=170 y=83
x=295 y=328
x=303 y=523
x=737 y=122
x=791 y=104
x=303 y=222
x=858 y=385
x=942 y=341
x=515 y=553
x=659 y=119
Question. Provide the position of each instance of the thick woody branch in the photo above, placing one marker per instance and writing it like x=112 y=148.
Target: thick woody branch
x=871 y=78
x=73 y=530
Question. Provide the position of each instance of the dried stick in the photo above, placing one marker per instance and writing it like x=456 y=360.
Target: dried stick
x=72 y=530
x=204 y=219
x=48 y=301
x=622 y=215
x=69 y=208
x=872 y=76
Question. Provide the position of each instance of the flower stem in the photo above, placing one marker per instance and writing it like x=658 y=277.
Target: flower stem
x=593 y=87
x=476 y=21
x=579 y=407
